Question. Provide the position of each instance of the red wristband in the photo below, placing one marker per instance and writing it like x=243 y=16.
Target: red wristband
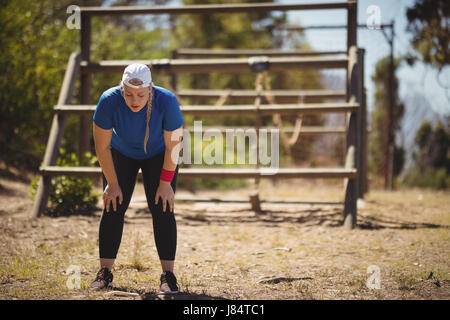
x=167 y=175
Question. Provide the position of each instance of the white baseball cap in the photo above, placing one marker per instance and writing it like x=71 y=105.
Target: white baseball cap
x=137 y=71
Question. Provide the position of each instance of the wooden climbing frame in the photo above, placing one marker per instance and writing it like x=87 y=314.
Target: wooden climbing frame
x=353 y=107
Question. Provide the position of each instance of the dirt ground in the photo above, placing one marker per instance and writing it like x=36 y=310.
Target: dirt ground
x=399 y=250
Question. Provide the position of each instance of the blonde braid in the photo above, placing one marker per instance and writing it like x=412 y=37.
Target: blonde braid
x=149 y=110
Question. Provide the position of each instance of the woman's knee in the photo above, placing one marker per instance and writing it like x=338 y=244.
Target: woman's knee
x=158 y=213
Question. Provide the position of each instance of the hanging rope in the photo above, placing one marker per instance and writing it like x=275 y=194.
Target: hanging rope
x=258 y=122
x=276 y=119
x=223 y=97
x=298 y=125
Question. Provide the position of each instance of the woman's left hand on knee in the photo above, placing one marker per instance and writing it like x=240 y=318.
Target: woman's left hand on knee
x=165 y=192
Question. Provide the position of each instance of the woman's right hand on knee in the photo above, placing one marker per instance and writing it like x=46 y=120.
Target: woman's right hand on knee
x=112 y=194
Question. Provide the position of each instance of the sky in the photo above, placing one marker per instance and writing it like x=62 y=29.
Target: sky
x=420 y=78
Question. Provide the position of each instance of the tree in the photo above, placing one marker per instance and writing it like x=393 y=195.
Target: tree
x=36 y=45
x=35 y=49
x=431 y=157
x=432 y=147
x=429 y=24
x=377 y=137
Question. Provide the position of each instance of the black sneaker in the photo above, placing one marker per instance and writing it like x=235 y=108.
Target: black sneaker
x=104 y=280
x=168 y=283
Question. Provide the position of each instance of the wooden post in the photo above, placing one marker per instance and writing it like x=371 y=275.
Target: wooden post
x=389 y=152
x=364 y=150
x=85 y=85
x=254 y=195
x=255 y=202
x=352 y=153
x=173 y=76
x=351 y=158
x=56 y=134
x=361 y=123
x=352 y=24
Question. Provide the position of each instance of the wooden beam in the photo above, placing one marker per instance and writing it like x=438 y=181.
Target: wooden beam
x=269 y=109
x=325 y=27
x=216 y=65
x=304 y=130
x=352 y=24
x=56 y=134
x=85 y=85
x=229 y=110
x=211 y=8
x=251 y=52
x=279 y=95
x=306 y=173
x=197 y=198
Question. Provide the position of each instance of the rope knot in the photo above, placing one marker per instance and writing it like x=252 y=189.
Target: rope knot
x=258 y=63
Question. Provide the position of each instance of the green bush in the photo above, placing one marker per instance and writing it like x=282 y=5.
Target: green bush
x=438 y=179
x=70 y=195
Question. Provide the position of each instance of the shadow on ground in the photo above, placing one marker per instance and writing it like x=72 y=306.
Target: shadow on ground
x=326 y=216
x=150 y=295
x=372 y=223
x=179 y=296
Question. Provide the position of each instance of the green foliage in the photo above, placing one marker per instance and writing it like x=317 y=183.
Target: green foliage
x=428 y=22
x=36 y=45
x=429 y=178
x=70 y=195
x=399 y=160
x=35 y=49
x=377 y=137
x=433 y=147
x=376 y=145
x=211 y=147
x=423 y=134
x=431 y=166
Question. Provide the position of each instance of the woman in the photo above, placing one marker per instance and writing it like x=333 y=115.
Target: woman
x=138 y=126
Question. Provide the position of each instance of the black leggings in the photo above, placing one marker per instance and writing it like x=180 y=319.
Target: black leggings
x=164 y=225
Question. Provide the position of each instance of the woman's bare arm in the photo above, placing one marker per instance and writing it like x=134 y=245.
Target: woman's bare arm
x=102 y=140
x=172 y=140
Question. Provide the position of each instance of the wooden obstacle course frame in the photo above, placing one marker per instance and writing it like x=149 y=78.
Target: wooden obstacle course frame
x=354 y=105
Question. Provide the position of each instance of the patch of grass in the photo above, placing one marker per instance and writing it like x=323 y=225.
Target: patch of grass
x=184 y=283
x=242 y=236
x=304 y=289
x=358 y=282
x=39 y=272
x=19 y=268
x=244 y=269
x=407 y=278
x=132 y=279
x=405 y=281
x=136 y=259
x=277 y=241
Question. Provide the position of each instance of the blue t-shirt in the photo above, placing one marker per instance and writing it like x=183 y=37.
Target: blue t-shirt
x=129 y=127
